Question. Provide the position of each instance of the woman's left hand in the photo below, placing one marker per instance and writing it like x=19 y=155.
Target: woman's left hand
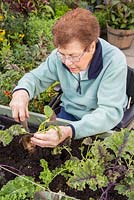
x=52 y=138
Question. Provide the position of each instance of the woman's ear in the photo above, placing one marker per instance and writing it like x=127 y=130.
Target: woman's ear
x=92 y=47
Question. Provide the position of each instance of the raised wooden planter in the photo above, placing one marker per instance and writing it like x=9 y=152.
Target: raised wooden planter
x=14 y=156
x=120 y=38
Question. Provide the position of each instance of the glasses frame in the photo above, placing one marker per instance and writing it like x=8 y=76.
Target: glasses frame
x=70 y=58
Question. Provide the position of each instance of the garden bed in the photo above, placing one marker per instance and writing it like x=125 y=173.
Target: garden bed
x=15 y=156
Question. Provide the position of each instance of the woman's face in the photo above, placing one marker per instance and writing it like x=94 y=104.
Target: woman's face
x=75 y=57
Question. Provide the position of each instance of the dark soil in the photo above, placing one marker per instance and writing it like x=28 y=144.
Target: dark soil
x=16 y=156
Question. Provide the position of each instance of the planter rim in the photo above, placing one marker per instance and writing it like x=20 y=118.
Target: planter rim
x=129 y=31
x=35 y=118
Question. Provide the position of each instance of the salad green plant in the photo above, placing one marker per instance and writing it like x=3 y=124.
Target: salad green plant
x=106 y=164
x=25 y=188
x=18 y=189
x=50 y=116
x=6 y=136
x=103 y=165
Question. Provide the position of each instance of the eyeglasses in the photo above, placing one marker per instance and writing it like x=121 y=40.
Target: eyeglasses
x=70 y=58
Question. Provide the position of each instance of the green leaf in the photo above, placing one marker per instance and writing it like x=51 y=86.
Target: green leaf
x=126 y=185
x=7 y=135
x=123 y=26
x=48 y=112
x=87 y=141
x=46 y=175
x=113 y=17
x=124 y=139
x=18 y=189
x=90 y=172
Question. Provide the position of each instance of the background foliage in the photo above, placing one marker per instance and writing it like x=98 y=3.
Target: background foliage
x=26 y=40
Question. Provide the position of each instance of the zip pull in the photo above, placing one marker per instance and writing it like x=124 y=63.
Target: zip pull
x=79 y=86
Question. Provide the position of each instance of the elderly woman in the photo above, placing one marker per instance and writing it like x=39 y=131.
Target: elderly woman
x=92 y=74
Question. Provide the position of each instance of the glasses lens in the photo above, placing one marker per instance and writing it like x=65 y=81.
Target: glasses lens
x=63 y=58
x=70 y=58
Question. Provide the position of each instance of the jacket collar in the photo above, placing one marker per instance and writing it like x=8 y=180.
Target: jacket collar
x=96 y=64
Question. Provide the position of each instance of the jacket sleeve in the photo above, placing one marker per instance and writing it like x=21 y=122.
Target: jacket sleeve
x=40 y=78
x=111 y=97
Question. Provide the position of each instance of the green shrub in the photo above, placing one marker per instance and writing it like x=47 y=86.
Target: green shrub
x=102 y=18
x=8 y=80
x=38 y=27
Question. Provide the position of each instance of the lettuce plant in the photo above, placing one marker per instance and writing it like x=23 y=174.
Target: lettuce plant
x=106 y=165
x=6 y=136
x=18 y=189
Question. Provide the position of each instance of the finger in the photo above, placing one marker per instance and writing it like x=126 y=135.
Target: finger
x=27 y=113
x=40 y=136
x=22 y=114
x=15 y=115
x=50 y=135
x=42 y=143
x=19 y=105
x=19 y=112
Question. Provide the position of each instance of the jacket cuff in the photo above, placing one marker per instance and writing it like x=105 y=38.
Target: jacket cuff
x=73 y=131
x=21 y=89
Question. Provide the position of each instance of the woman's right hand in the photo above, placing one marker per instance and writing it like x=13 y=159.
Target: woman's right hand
x=19 y=105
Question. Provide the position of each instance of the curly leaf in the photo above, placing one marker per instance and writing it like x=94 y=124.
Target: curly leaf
x=46 y=175
x=18 y=189
x=16 y=130
x=6 y=136
x=126 y=185
x=87 y=141
x=90 y=172
x=123 y=141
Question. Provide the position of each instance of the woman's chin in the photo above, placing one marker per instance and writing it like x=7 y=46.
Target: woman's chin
x=74 y=70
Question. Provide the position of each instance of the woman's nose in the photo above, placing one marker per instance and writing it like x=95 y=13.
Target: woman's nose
x=68 y=62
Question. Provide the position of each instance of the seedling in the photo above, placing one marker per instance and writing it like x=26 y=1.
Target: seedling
x=43 y=128
x=48 y=123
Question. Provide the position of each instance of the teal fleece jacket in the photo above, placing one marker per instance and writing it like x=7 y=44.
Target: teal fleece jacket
x=96 y=99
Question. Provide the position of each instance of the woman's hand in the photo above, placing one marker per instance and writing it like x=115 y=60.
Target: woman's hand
x=51 y=137
x=19 y=105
